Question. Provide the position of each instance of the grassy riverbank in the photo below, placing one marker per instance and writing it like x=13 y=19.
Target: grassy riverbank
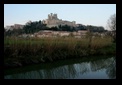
x=19 y=51
x=56 y=64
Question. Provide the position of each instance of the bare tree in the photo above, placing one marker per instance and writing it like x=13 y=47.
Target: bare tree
x=112 y=26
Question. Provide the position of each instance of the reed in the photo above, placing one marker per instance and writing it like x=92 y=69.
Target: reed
x=20 y=51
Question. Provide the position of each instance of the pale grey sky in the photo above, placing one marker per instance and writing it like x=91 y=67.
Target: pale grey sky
x=87 y=14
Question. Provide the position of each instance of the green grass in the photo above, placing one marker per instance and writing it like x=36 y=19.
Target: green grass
x=20 y=51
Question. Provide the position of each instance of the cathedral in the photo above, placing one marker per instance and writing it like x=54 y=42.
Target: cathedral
x=53 y=21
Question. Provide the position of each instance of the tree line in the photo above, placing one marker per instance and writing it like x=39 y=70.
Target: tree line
x=37 y=26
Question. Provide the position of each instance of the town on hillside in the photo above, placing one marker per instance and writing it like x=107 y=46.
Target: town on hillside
x=53 y=27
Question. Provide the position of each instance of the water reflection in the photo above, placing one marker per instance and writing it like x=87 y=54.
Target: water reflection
x=99 y=69
x=111 y=70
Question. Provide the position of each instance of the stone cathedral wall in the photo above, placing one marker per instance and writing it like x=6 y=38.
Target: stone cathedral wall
x=53 y=21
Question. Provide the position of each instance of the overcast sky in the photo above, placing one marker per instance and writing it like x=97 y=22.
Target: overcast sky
x=87 y=14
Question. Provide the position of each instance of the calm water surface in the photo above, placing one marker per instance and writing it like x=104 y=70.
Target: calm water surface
x=68 y=69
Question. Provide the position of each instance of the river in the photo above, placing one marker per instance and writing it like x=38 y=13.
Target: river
x=80 y=68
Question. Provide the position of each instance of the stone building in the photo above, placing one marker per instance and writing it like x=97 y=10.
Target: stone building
x=15 y=26
x=53 y=21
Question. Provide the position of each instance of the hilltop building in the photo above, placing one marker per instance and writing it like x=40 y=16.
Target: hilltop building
x=53 y=21
x=15 y=26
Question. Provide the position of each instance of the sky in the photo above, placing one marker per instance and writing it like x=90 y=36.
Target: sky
x=86 y=14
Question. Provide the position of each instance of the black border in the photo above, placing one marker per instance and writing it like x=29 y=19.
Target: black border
x=61 y=1
x=2 y=42
x=52 y=2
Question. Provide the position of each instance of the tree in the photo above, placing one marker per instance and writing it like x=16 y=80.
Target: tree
x=34 y=27
x=112 y=26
